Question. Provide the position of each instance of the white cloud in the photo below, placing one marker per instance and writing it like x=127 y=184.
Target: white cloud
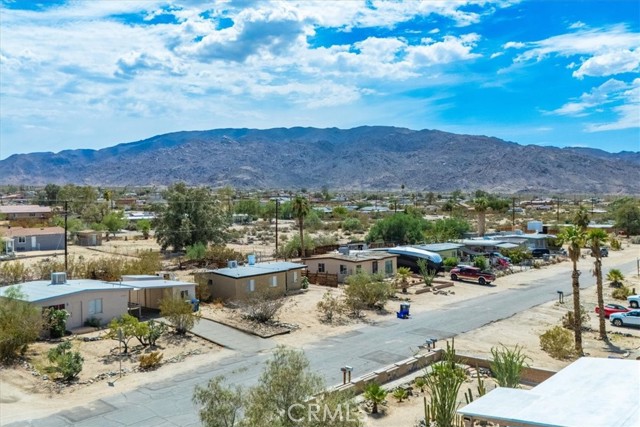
x=576 y=25
x=610 y=63
x=450 y=49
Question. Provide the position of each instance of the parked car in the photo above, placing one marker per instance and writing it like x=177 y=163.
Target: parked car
x=609 y=309
x=539 y=252
x=500 y=256
x=604 y=252
x=634 y=301
x=626 y=319
x=465 y=272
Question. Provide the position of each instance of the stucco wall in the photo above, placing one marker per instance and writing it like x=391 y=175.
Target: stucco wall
x=114 y=304
x=332 y=266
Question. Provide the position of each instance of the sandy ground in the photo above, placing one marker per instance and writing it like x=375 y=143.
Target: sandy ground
x=19 y=390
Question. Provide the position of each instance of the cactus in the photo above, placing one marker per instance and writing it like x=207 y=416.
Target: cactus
x=468 y=396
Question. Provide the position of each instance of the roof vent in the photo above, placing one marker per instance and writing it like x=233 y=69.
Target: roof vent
x=232 y=264
x=58 y=278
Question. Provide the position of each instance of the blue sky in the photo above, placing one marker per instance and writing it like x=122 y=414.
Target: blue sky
x=91 y=74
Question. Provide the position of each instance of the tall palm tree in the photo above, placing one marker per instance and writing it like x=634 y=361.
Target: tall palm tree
x=480 y=205
x=581 y=219
x=596 y=238
x=575 y=238
x=300 y=208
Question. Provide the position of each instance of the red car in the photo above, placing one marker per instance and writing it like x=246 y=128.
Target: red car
x=609 y=309
x=465 y=272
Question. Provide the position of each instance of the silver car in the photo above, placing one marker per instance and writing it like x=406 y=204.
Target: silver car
x=626 y=319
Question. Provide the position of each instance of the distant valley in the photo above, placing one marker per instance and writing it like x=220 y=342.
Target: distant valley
x=363 y=158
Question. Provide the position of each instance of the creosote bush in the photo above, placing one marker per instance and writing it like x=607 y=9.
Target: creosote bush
x=558 y=343
x=150 y=361
x=262 y=306
x=621 y=293
x=331 y=307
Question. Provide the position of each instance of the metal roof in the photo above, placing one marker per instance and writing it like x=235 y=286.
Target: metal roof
x=437 y=247
x=16 y=209
x=42 y=231
x=257 y=269
x=589 y=392
x=145 y=283
x=42 y=290
x=355 y=256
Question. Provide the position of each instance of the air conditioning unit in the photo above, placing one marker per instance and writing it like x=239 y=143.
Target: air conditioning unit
x=58 y=278
x=232 y=264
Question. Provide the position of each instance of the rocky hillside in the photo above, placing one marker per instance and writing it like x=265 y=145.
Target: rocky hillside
x=360 y=158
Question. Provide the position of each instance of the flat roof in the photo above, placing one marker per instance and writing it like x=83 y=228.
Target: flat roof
x=481 y=242
x=15 y=209
x=42 y=290
x=355 y=256
x=589 y=392
x=42 y=231
x=436 y=247
x=257 y=269
x=146 y=283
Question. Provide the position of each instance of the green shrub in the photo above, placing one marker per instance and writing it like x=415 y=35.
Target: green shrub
x=154 y=331
x=621 y=293
x=450 y=262
x=366 y=291
x=57 y=322
x=93 y=321
x=150 y=361
x=568 y=321
x=66 y=363
x=507 y=365
x=615 y=244
x=616 y=277
x=400 y=394
x=558 y=343
x=330 y=307
x=481 y=262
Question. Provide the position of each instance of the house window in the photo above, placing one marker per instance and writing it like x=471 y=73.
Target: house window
x=32 y=214
x=343 y=269
x=388 y=267
x=321 y=267
x=274 y=281
x=358 y=268
x=374 y=267
x=251 y=285
x=184 y=294
x=95 y=306
x=22 y=239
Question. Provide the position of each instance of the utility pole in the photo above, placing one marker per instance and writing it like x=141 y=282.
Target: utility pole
x=277 y=204
x=513 y=214
x=558 y=210
x=66 y=253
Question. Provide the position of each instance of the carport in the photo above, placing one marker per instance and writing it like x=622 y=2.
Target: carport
x=146 y=291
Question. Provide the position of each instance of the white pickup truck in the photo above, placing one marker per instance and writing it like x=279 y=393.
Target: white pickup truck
x=634 y=301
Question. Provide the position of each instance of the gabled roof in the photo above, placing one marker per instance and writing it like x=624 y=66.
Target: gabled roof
x=258 y=269
x=21 y=231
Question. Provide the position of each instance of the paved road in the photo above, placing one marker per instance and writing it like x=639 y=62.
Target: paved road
x=168 y=403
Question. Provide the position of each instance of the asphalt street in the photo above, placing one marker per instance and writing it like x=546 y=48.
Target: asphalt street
x=168 y=403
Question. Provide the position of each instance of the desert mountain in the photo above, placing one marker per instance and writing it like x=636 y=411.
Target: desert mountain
x=368 y=158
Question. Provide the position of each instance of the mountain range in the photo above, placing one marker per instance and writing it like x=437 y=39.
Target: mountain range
x=363 y=158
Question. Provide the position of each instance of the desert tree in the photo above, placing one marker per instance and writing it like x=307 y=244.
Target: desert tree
x=596 y=239
x=301 y=209
x=20 y=323
x=480 y=205
x=192 y=215
x=178 y=312
x=575 y=238
x=220 y=405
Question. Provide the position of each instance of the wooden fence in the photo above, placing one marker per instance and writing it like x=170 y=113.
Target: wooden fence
x=322 y=279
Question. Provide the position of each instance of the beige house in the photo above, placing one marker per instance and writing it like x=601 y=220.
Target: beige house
x=83 y=299
x=147 y=290
x=237 y=282
x=14 y=212
x=344 y=265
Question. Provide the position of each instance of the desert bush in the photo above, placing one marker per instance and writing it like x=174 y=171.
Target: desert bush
x=65 y=362
x=615 y=244
x=450 y=262
x=568 y=320
x=400 y=394
x=366 y=291
x=203 y=293
x=93 y=321
x=57 y=322
x=14 y=272
x=635 y=240
x=507 y=365
x=178 y=312
x=262 y=306
x=352 y=224
x=150 y=361
x=154 y=331
x=125 y=328
x=331 y=307
x=20 y=324
x=481 y=262
x=558 y=343
x=621 y=293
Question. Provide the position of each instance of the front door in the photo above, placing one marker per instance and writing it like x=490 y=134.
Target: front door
x=34 y=244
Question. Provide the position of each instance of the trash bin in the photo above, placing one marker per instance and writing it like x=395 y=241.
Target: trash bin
x=404 y=311
x=195 y=303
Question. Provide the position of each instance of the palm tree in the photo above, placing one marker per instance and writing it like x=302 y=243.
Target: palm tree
x=300 y=209
x=596 y=238
x=402 y=278
x=581 y=219
x=575 y=238
x=616 y=277
x=480 y=205
x=375 y=394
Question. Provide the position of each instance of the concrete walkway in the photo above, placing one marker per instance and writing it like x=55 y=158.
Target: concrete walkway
x=231 y=338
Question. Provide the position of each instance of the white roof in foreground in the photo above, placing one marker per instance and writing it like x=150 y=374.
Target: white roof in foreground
x=42 y=290
x=591 y=392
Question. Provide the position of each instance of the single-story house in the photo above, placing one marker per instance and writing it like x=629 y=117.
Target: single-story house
x=89 y=238
x=36 y=239
x=83 y=298
x=14 y=212
x=147 y=290
x=236 y=282
x=589 y=392
x=351 y=262
x=445 y=250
